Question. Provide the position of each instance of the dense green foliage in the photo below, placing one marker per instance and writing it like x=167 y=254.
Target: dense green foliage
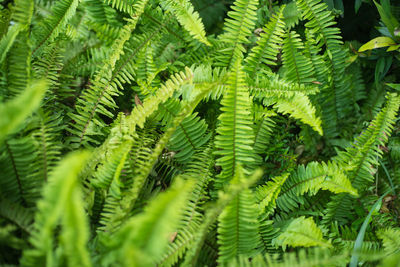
x=198 y=133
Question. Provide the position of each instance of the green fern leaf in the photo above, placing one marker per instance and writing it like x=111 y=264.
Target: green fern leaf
x=237 y=27
x=302 y=232
x=232 y=192
x=274 y=86
x=126 y=6
x=61 y=200
x=145 y=236
x=359 y=159
x=391 y=240
x=298 y=67
x=299 y=107
x=53 y=25
x=189 y=136
x=235 y=133
x=187 y=17
x=267 y=48
x=311 y=179
x=99 y=95
x=200 y=169
x=266 y=195
x=15 y=111
x=238 y=225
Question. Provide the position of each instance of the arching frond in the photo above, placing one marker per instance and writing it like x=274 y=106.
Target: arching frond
x=48 y=29
x=126 y=6
x=267 y=194
x=362 y=155
x=311 y=179
x=130 y=197
x=302 y=232
x=232 y=192
x=320 y=23
x=274 y=86
x=15 y=111
x=61 y=200
x=391 y=240
x=99 y=95
x=146 y=235
x=187 y=17
x=299 y=107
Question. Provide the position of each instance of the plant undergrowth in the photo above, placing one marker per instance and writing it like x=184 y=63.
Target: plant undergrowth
x=198 y=133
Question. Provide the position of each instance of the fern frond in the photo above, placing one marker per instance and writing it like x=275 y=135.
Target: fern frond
x=204 y=76
x=127 y=126
x=16 y=157
x=142 y=112
x=320 y=23
x=359 y=159
x=47 y=136
x=19 y=65
x=232 y=192
x=108 y=184
x=200 y=168
x=238 y=225
x=145 y=236
x=22 y=12
x=50 y=65
x=98 y=98
x=344 y=239
x=235 y=134
x=268 y=46
x=7 y=41
x=319 y=64
x=298 y=67
x=189 y=136
x=61 y=200
x=167 y=111
x=237 y=28
x=274 y=86
x=15 y=111
x=17 y=214
x=100 y=13
x=268 y=232
x=187 y=17
x=126 y=6
x=130 y=198
x=299 y=107
x=302 y=232
x=19 y=58
x=127 y=69
x=48 y=29
x=310 y=258
x=263 y=133
x=311 y=179
x=147 y=71
x=363 y=154
x=292 y=15
x=390 y=239
x=267 y=194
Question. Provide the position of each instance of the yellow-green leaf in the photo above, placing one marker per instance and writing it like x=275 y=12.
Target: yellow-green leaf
x=377 y=42
x=393 y=48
